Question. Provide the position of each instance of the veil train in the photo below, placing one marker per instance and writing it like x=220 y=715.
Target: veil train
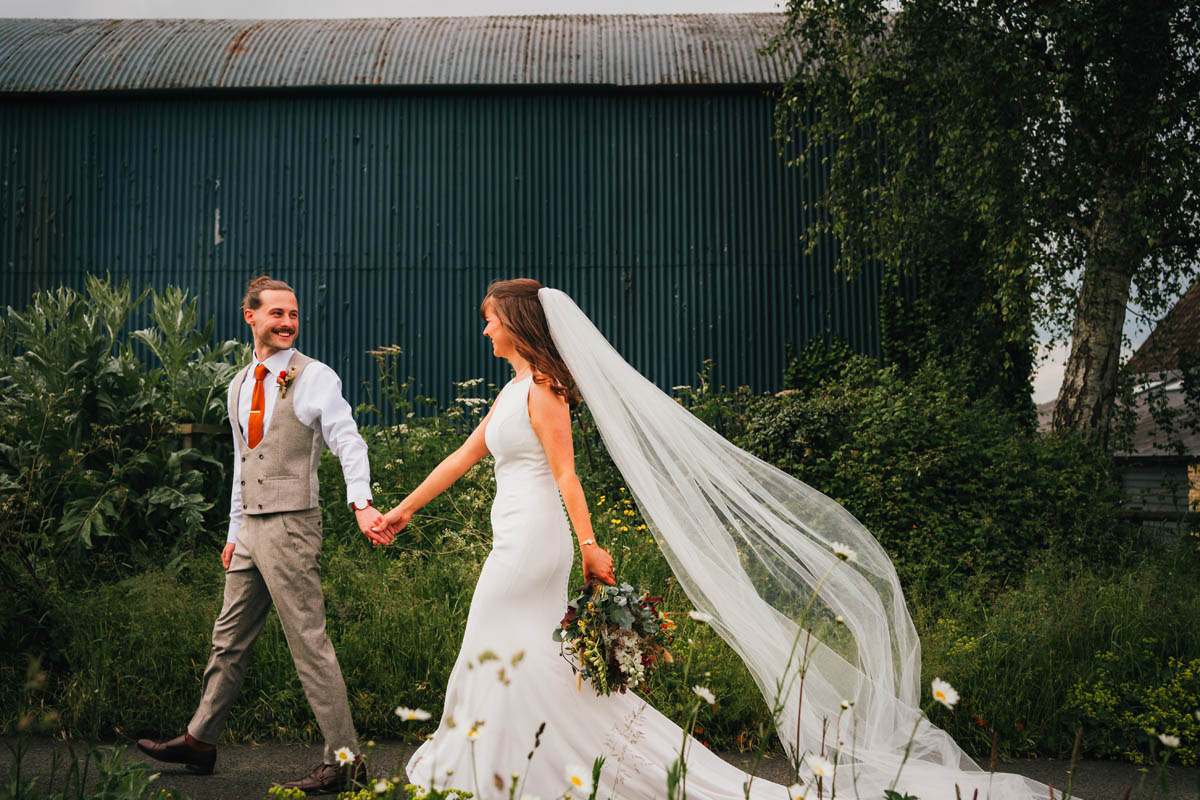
x=754 y=548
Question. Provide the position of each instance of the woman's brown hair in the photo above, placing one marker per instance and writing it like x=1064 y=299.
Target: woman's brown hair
x=257 y=286
x=516 y=304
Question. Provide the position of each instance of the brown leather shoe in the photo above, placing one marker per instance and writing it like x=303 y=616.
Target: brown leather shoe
x=181 y=750
x=328 y=778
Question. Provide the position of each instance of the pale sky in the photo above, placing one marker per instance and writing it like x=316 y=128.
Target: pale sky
x=306 y=9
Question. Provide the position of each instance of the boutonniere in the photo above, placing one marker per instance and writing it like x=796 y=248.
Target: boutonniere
x=284 y=380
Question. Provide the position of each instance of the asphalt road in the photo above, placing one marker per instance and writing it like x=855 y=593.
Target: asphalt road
x=247 y=771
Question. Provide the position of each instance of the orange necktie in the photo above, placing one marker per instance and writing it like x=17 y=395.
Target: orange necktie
x=258 y=405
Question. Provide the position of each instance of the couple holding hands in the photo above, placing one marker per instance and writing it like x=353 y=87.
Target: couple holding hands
x=767 y=560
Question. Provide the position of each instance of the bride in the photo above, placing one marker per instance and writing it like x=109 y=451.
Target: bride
x=786 y=576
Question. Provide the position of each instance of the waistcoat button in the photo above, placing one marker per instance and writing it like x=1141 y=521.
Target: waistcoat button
x=260 y=456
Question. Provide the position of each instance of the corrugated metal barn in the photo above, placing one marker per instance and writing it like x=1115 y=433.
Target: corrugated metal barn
x=389 y=168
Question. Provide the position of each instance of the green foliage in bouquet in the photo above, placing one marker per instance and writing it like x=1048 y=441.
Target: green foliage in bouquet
x=618 y=635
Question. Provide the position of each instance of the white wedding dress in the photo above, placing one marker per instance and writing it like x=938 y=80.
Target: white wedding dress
x=780 y=568
x=519 y=599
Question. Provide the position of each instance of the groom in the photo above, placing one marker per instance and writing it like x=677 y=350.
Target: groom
x=283 y=409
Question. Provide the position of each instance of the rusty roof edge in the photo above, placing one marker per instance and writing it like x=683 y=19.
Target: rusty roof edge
x=663 y=50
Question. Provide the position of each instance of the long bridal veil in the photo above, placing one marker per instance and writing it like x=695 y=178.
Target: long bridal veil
x=755 y=548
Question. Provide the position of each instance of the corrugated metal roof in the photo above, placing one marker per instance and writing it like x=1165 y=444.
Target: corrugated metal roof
x=46 y=55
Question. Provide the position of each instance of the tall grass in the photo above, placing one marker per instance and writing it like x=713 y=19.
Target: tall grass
x=1025 y=658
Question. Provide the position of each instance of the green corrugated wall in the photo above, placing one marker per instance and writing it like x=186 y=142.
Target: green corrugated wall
x=668 y=215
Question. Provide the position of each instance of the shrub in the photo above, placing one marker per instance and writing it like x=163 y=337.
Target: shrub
x=951 y=486
x=89 y=463
x=94 y=485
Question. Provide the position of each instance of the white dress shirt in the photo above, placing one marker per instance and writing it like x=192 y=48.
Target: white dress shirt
x=318 y=403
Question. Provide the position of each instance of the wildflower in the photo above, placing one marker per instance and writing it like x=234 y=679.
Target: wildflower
x=820 y=767
x=1168 y=740
x=795 y=791
x=463 y=721
x=381 y=786
x=705 y=694
x=410 y=714
x=944 y=693
x=847 y=704
x=843 y=551
x=344 y=756
x=839 y=619
x=700 y=616
x=579 y=778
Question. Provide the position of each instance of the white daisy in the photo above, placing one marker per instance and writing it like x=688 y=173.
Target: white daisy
x=343 y=755
x=820 y=767
x=944 y=693
x=843 y=551
x=1168 y=740
x=579 y=779
x=410 y=714
x=381 y=786
x=705 y=694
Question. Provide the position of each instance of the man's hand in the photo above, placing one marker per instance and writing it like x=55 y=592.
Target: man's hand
x=227 y=554
x=367 y=520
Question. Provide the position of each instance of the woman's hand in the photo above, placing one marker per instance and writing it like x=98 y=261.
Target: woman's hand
x=393 y=522
x=597 y=564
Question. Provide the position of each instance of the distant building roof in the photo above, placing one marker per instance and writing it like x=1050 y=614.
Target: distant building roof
x=1148 y=439
x=1177 y=334
x=46 y=55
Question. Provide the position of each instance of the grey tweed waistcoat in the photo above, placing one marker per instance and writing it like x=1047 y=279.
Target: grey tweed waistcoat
x=280 y=474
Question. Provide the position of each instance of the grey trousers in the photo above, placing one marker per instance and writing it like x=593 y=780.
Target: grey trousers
x=275 y=562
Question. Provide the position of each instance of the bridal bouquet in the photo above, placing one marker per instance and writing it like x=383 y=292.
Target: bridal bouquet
x=614 y=636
